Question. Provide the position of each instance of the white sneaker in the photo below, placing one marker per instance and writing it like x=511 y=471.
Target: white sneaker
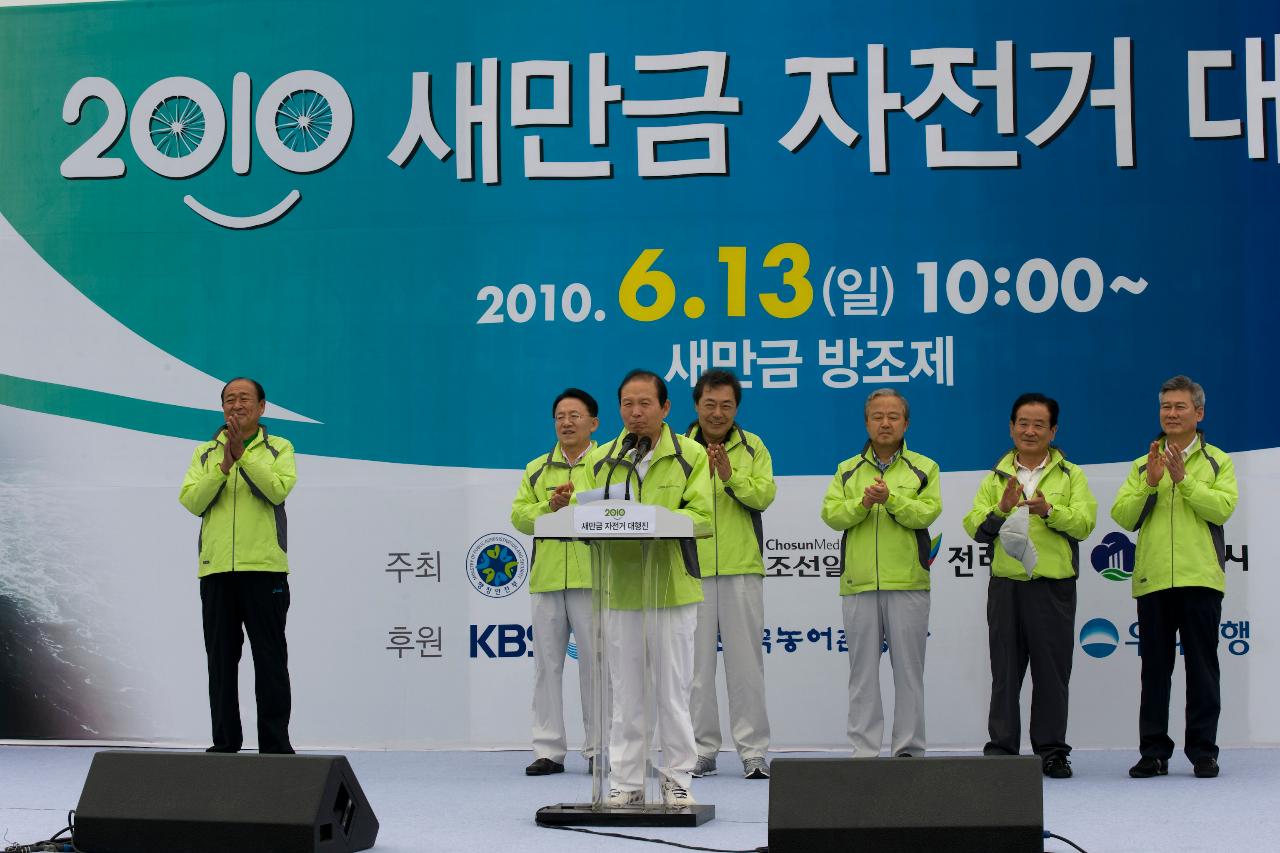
x=676 y=796
x=755 y=768
x=620 y=799
x=704 y=766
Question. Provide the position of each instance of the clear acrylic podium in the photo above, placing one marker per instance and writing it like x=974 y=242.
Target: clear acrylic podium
x=631 y=544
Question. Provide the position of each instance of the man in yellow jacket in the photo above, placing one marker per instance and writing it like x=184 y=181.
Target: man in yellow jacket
x=1036 y=508
x=884 y=500
x=237 y=484
x=732 y=562
x=1178 y=496
x=652 y=608
x=560 y=583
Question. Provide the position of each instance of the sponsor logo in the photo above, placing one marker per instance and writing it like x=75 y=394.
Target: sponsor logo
x=501 y=641
x=572 y=649
x=1099 y=638
x=497 y=565
x=1113 y=558
x=810 y=545
x=933 y=548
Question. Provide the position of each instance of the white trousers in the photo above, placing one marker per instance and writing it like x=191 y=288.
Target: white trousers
x=733 y=607
x=900 y=617
x=554 y=615
x=666 y=645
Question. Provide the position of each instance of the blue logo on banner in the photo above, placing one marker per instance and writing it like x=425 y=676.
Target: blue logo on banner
x=1099 y=638
x=501 y=641
x=496 y=565
x=1113 y=559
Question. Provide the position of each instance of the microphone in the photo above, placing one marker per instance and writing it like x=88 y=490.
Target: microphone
x=627 y=444
x=642 y=449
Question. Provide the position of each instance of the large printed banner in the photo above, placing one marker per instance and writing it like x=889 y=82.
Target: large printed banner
x=416 y=223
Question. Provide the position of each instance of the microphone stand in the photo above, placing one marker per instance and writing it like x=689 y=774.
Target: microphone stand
x=642 y=449
x=627 y=443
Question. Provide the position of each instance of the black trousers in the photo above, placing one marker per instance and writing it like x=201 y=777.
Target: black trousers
x=1030 y=622
x=1194 y=613
x=258 y=602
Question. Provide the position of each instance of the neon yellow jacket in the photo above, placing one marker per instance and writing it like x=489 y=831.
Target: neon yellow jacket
x=736 y=546
x=1180 y=536
x=885 y=546
x=1057 y=538
x=678 y=480
x=556 y=565
x=243 y=527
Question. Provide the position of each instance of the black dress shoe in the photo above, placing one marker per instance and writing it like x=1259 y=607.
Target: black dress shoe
x=1148 y=767
x=543 y=767
x=1205 y=768
x=1057 y=767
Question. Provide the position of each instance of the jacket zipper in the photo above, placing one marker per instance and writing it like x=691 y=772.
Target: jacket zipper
x=715 y=517
x=1173 y=496
x=567 y=548
x=876 y=510
x=235 y=491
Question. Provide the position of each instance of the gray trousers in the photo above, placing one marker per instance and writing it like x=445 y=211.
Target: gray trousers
x=733 y=607
x=900 y=617
x=554 y=613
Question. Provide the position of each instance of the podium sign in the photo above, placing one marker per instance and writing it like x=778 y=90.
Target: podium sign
x=610 y=519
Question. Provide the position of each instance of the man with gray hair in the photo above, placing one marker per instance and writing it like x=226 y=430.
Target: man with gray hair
x=1178 y=497
x=884 y=500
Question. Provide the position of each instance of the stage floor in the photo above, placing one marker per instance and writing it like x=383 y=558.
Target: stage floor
x=482 y=801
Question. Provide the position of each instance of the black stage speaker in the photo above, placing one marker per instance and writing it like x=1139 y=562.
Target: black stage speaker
x=906 y=805
x=142 y=801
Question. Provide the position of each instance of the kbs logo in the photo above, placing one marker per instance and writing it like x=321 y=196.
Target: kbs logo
x=497 y=565
x=502 y=641
x=1113 y=559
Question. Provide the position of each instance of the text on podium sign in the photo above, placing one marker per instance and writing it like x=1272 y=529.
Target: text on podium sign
x=635 y=519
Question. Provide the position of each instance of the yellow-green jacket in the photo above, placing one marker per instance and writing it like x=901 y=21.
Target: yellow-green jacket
x=678 y=480
x=736 y=546
x=556 y=565
x=1180 y=536
x=243 y=527
x=885 y=546
x=1057 y=538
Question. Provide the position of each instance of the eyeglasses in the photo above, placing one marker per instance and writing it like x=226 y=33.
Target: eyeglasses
x=571 y=417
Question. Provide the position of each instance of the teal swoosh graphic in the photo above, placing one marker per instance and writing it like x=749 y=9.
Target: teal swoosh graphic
x=129 y=413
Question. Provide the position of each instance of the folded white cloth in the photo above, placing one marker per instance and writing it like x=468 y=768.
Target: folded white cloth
x=1015 y=536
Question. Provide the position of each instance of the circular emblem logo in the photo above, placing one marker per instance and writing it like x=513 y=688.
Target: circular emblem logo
x=497 y=565
x=1099 y=638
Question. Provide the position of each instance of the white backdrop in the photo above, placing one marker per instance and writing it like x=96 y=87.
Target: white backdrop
x=96 y=549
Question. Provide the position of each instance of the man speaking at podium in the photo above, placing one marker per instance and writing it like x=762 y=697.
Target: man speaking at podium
x=655 y=466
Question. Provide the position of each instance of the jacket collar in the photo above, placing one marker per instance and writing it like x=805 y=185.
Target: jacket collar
x=559 y=457
x=1007 y=464
x=1163 y=438
x=261 y=433
x=665 y=447
x=734 y=437
x=870 y=455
